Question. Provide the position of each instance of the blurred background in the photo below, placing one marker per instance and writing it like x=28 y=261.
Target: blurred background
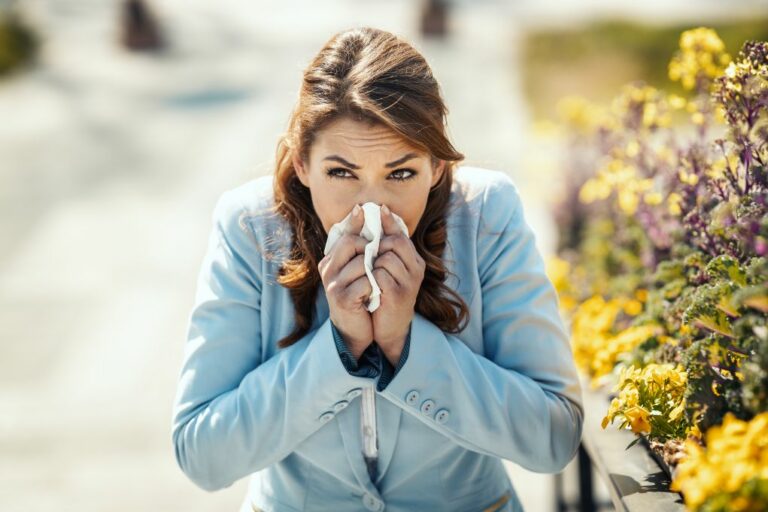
x=121 y=122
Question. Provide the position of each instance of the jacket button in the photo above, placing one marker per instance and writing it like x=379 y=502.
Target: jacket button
x=412 y=397
x=340 y=405
x=370 y=502
x=441 y=416
x=354 y=393
x=427 y=406
x=326 y=416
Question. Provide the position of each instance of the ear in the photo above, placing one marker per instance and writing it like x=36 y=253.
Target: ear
x=301 y=171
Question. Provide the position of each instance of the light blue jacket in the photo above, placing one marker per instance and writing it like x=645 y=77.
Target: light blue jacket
x=505 y=387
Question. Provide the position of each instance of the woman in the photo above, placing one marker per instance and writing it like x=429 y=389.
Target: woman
x=466 y=359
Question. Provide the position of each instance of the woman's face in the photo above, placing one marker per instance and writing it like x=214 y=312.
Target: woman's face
x=352 y=162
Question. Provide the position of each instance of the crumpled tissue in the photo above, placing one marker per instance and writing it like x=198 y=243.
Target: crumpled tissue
x=372 y=231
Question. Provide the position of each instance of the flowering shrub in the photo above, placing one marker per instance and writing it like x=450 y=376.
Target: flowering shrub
x=731 y=473
x=596 y=344
x=662 y=267
x=651 y=401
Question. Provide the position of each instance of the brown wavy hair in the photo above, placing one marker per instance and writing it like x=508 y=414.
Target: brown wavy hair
x=369 y=75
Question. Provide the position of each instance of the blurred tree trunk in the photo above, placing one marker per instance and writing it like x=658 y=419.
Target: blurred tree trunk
x=139 y=30
x=434 y=18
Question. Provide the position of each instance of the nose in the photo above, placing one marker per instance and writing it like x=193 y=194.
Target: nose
x=375 y=200
x=371 y=192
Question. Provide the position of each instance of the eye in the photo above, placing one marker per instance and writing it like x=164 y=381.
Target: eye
x=337 y=172
x=403 y=178
x=332 y=172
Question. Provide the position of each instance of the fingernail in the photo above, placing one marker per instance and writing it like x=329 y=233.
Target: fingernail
x=356 y=210
x=385 y=209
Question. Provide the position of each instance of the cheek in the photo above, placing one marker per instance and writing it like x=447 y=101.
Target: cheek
x=418 y=213
x=411 y=214
x=412 y=223
x=331 y=211
x=325 y=211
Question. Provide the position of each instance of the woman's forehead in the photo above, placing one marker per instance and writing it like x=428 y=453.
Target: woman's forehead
x=362 y=140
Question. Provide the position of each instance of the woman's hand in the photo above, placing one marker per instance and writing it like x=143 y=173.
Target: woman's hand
x=347 y=286
x=399 y=271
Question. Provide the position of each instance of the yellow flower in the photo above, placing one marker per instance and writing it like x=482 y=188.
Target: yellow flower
x=720 y=114
x=701 y=58
x=633 y=307
x=633 y=148
x=653 y=391
x=694 y=431
x=676 y=102
x=686 y=177
x=697 y=118
x=717 y=168
x=653 y=198
x=594 y=189
x=628 y=201
x=557 y=269
x=580 y=114
x=638 y=420
x=668 y=339
x=650 y=114
x=674 y=203
x=677 y=411
x=596 y=348
x=736 y=452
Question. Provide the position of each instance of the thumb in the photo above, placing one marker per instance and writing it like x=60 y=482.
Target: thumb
x=356 y=221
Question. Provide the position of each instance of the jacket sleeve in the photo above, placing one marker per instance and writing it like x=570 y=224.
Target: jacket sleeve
x=388 y=371
x=372 y=362
x=521 y=399
x=367 y=366
x=234 y=413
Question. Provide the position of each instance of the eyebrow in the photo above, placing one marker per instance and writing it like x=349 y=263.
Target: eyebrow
x=397 y=162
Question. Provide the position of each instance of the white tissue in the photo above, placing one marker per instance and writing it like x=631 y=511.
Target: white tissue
x=371 y=231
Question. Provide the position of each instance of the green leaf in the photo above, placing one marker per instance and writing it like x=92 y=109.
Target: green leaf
x=726 y=266
x=634 y=442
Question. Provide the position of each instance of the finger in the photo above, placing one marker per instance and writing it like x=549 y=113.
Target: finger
x=346 y=247
x=360 y=289
x=340 y=254
x=405 y=250
x=356 y=221
x=389 y=225
x=384 y=279
x=351 y=271
x=392 y=263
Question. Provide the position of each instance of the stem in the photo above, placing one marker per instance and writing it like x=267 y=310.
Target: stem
x=730 y=175
x=720 y=190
